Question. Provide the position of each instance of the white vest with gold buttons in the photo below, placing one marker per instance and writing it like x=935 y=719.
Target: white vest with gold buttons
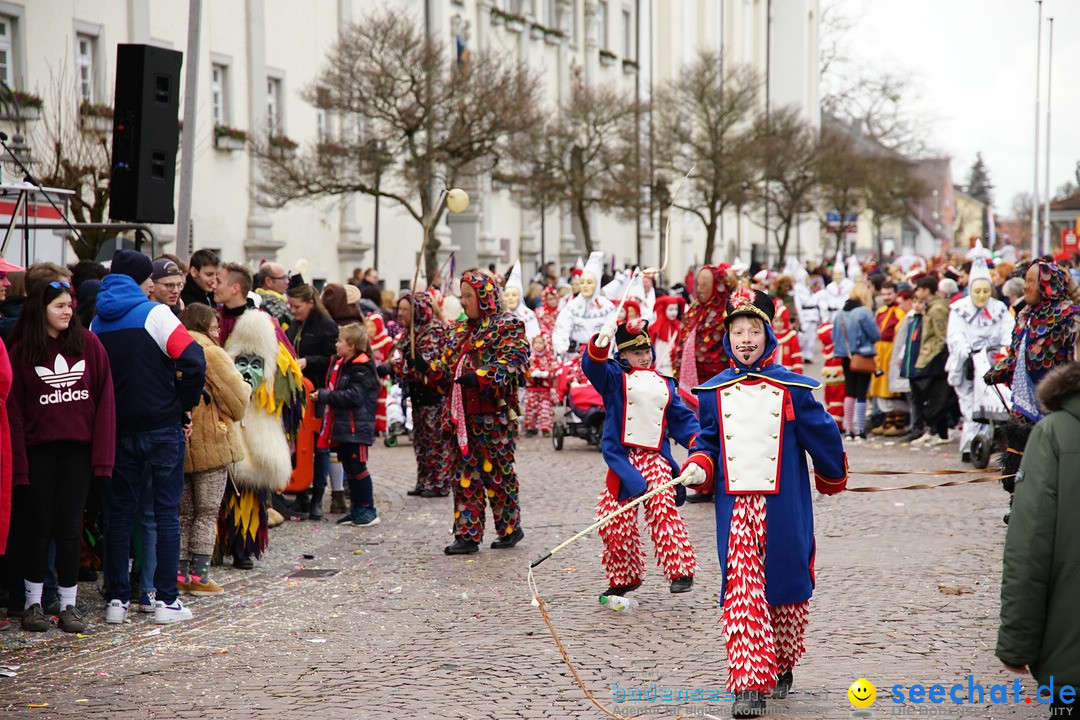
x=647 y=399
x=751 y=434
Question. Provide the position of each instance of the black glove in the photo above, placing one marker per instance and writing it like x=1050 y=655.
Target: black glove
x=414 y=361
x=384 y=370
x=469 y=380
x=206 y=396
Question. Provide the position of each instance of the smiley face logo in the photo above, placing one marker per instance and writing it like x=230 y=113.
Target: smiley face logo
x=862 y=693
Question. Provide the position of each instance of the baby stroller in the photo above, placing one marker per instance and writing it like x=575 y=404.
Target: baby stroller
x=580 y=409
x=398 y=415
x=993 y=407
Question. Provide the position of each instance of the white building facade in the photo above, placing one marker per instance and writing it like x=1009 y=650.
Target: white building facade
x=256 y=55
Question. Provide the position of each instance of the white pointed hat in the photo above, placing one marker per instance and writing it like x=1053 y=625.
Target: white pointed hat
x=595 y=266
x=739 y=267
x=580 y=264
x=514 y=281
x=838 y=268
x=979 y=271
x=854 y=269
x=637 y=285
x=614 y=289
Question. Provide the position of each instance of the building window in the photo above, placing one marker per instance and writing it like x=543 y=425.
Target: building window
x=273 y=106
x=5 y=49
x=573 y=21
x=627 y=35
x=602 y=22
x=217 y=94
x=84 y=65
x=320 y=124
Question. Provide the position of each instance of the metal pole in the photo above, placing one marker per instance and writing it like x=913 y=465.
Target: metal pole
x=1049 y=68
x=375 y=239
x=1035 y=196
x=187 y=150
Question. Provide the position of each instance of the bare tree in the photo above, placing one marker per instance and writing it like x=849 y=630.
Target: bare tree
x=703 y=118
x=842 y=174
x=411 y=118
x=1022 y=208
x=883 y=106
x=786 y=158
x=890 y=186
x=589 y=156
x=74 y=158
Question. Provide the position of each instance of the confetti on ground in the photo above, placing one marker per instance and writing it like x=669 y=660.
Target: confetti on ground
x=395 y=591
x=148 y=633
x=38 y=705
x=82 y=700
x=315 y=640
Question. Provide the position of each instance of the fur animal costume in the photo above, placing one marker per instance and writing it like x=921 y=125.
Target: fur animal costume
x=272 y=371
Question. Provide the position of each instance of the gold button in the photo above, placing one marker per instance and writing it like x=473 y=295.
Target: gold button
x=727 y=415
x=776 y=414
x=730 y=457
x=771 y=480
x=775 y=392
x=727 y=394
x=775 y=436
x=729 y=436
x=772 y=457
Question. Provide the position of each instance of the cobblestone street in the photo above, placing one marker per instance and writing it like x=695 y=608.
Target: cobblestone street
x=907 y=593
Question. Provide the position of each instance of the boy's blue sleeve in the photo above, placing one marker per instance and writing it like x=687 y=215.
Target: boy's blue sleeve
x=818 y=434
x=706 y=447
x=682 y=423
x=597 y=367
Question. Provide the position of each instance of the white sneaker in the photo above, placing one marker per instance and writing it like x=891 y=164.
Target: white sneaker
x=116 y=612
x=923 y=439
x=936 y=440
x=165 y=614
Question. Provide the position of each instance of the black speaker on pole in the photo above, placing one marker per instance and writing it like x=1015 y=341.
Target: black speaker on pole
x=145 y=134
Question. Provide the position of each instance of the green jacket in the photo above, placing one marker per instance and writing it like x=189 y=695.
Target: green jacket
x=1040 y=580
x=934 y=325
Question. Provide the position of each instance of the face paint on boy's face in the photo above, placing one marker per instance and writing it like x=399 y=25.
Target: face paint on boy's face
x=747 y=340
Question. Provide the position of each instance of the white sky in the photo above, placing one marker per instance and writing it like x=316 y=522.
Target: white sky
x=973 y=65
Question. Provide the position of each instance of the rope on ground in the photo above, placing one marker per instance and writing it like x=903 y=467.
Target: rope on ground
x=539 y=602
x=925 y=486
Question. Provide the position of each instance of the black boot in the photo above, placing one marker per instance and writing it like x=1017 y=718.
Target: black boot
x=462 y=546
x=617 y=590
x=748 y=704
x=682 y=584
x=419 y=489
x=315 y=506
x=699 y=497
x=301 y=504
x=508 y=541
x=783 y=685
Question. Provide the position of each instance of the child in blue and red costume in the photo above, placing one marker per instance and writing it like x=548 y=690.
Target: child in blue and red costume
x=758 y=422
x=642 y=408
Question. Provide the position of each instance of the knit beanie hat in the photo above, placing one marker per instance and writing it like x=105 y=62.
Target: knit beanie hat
x=133 y=264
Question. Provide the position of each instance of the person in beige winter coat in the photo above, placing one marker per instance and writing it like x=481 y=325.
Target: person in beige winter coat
x=214 y=445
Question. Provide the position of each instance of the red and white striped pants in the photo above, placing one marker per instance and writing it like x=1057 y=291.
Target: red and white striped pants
x=761 y=641
x=539 y=409
x=624 y=556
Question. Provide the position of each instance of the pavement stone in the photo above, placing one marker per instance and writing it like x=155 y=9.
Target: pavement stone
x=403 y=630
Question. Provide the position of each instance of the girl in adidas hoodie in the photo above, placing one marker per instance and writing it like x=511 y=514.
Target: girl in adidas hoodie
x=63 y=432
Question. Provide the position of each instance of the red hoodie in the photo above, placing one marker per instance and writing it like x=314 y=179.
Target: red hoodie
x=66 y=398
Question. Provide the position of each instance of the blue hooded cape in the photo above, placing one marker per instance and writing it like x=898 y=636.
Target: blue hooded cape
x=606 y=375
x=789 y=527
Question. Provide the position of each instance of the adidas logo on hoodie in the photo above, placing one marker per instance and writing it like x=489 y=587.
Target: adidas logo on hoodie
x=62 y=377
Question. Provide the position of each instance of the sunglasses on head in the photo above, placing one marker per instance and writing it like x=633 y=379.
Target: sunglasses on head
x=60 y=284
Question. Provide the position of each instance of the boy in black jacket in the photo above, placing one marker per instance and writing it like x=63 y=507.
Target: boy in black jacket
x=348 y=421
